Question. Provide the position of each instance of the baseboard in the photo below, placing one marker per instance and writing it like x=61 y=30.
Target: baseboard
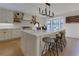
x=72 y=37
x=18 y=38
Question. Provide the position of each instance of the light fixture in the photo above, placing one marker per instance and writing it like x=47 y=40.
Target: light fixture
x=47 y=10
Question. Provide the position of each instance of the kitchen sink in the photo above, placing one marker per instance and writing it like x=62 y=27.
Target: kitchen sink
x=26 y=28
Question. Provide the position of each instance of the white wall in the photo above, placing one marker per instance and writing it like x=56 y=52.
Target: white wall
x=28 y=18
x=6 y=16
x=72 y=30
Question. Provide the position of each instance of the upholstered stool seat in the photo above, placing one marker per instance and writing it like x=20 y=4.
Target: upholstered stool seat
x=49 y=45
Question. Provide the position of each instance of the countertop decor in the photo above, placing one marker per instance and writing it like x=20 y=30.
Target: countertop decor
x=18 y=16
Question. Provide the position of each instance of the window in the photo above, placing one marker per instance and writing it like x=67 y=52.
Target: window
x=55 y=24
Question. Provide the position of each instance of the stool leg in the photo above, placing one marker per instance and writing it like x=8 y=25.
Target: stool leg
x=44 y=50
x=57 y=49
x=61 y=45
x=65 y=43
x=53 y=50
x=49 y=49
x=53 y=53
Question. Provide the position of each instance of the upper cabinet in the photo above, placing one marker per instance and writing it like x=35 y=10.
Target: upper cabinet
x=72 y=19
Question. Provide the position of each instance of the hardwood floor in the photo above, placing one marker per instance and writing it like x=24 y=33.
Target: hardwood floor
x=10 y=47
x=72 y=48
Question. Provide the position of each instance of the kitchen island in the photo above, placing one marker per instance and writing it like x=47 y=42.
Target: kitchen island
x=32 y=43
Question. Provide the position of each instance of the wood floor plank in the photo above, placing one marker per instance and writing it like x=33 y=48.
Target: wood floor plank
x=11 y=47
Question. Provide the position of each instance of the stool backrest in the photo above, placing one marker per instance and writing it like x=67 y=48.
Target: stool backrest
x=45 y=39
x=57 y=37
x=62 y=34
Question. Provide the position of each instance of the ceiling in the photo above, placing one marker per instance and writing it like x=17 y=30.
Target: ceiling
x=32 y=8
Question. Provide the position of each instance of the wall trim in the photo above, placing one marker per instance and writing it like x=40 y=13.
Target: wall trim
x=72 y=37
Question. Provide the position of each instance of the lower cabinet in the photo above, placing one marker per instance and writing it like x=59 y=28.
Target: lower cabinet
x=15 y=33
x=9 y=34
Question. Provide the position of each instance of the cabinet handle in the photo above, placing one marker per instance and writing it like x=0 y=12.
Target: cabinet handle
x=4 y=32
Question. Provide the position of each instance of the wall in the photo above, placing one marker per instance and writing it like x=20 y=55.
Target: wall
x=27 y=19
x=72 y=30
x=6 y=16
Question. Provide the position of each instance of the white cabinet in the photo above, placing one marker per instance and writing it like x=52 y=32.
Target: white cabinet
x=1 y=35
x=9 y=34
x=15 y=33
x=4 y=35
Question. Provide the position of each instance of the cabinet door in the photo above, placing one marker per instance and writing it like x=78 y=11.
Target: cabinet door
x=1 y=35
x=9 y=34
x=5 y=34
x=15 y=33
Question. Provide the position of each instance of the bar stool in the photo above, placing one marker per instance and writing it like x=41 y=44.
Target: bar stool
x=57 y=43
x=54 y=44
x=63 y=39
x=60 y=41
x=49 y=46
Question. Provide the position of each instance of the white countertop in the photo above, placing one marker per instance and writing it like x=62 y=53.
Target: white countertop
x=8 y=26
x=39 y=32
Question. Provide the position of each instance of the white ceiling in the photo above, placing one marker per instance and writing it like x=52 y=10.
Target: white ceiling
x=32 y=8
